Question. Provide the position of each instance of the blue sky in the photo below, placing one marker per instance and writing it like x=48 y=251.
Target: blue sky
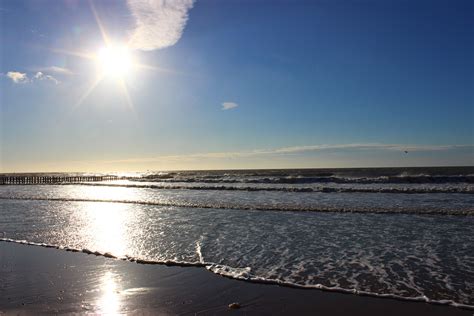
x=304 y=83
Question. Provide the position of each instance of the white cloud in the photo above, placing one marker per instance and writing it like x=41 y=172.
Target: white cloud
x=158 y=23
x=229 y=105
x=41 y=76
x=17 y=77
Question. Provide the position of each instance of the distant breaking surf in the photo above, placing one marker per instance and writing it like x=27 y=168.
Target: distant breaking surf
x=283 y=208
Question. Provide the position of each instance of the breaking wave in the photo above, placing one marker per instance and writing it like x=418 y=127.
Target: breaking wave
x=402 y=190
x=275 y=207
x=401 y=179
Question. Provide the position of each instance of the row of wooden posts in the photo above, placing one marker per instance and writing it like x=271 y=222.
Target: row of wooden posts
x=52 y=179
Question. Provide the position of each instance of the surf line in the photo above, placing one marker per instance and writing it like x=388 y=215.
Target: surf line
x=225 y=271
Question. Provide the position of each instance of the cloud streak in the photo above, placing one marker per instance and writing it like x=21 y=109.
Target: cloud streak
x=158 y=23
x=229 y=105
x=297 y=150
x=56 y=70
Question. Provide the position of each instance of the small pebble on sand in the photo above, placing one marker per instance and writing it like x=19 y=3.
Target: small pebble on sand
x=234 y=305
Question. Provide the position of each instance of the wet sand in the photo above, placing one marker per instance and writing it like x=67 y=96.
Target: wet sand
x=37 y=280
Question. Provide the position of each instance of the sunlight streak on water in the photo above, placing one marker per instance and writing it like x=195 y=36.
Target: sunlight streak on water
x=106 y=226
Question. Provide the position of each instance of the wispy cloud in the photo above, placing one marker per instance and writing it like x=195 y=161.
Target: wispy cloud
x=56 y=70
x=229 y=105
x=296 y=150
x=17 y=77
x=22 y=78
x=41 y=76
x=158 y=23
x=370 y=146
x=37 y=33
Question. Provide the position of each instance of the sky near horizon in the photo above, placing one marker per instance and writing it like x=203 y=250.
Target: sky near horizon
x=235 y=84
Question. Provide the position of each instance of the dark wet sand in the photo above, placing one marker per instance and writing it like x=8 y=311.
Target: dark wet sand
x=37 y=280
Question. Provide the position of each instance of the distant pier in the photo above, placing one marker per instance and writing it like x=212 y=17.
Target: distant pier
x=31 y=179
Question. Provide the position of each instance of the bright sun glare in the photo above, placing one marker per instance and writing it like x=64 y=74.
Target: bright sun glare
x=115 y=61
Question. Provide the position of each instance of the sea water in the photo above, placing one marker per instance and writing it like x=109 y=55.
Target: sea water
x=394 y=232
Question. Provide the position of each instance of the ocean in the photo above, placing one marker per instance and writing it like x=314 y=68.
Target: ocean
x=405 y=233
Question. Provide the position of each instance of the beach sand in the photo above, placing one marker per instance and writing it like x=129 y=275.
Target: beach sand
x=38 y=280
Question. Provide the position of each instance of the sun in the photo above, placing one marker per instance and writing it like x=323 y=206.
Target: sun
x=115 y=61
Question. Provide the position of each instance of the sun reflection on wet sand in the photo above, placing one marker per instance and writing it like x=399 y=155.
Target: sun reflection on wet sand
x=109 y=303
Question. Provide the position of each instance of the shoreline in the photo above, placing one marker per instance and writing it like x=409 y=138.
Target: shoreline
x=48 y=280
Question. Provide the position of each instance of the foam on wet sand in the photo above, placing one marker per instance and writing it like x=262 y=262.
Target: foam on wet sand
x=44 y=280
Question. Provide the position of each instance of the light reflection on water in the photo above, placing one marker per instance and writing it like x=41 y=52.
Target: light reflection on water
x=103 y=193
x=105 y=225
x=444 y=203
